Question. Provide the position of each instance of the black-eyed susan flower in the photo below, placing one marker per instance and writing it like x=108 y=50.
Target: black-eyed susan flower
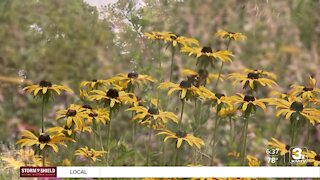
x=230 y=35
x=248 y=102
x=295 y=108
x=307 y=92
x=43 y=140
x=181 y=136
x=100 y=115
x=181 y=40
x=219 y=99
x=313 y=158
x=74 y=114
x=227 y=112
x=152 y=116
x=251 y=80
x=111 y=97
x=46 y=87
x=157 y=35
x=69 y=130
x=276 y=144
x=89 y=153
x=200 y=78
x=206 y=51
x=131 y=80
x=185 y=89
x=95 y=83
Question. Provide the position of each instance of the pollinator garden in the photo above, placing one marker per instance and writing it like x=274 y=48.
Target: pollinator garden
x=158 y=83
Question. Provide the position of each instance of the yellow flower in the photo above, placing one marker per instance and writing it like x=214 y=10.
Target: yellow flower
x=157 y=35
x=131 y=80
x=23 y=157
x=308 y=92
x=230 y=35
x=218 y=99
x=69 y=130
x=313 y=158
x=181 y=40
x=181 y=136
x=185 y=88
x=249 y=102
x=66 y=162
x=283 y=148
x=152 y=117
x=252 y=79
x=95 y=83
x=46 y=87
x=200 y=78
x=227 y=112
x=91 y=153
x=223 y=55
x=294 y=108
x=253 y=161
x=98 y=115
x=74 y=114
x=111 y=97
x=43 y=140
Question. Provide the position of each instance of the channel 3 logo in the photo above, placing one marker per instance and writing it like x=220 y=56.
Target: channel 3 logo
x=298 y=155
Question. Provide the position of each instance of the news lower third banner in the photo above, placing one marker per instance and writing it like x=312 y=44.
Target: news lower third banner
x=170 y=172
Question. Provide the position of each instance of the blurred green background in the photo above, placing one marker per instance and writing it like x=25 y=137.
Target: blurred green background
x=67 y=42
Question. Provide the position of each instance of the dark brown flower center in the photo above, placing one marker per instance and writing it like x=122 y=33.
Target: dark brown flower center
x=133 y=75
x=253 y=75
x=44 y=83
x=288 y=147
x=249 y=98
x=93 y=114
x=181 y=134
x=206 y=49
x=317 y=157
x=296 y=106
x=307 y=89
x=185 y=84
x=153 y=110
x=219 y=95
x=113 y=93
x=230 y=32
x=71 y=112
x=43 y=138
x=174 y=36
x=94 y=80
x=86 y=106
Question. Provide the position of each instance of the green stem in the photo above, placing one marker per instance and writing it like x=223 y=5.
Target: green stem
x=220 y=70
x=244 y=143
x=294 y=131
x=94 y=134
x=214 y=138
x=149 y=147
x=108 y=137
x=176 y=159
x=100 y=137
x=134 y=141
x=308 y=134
x=43 y=157
x=172 y=61
x=42 y=115
x=164 y=153
x=181 y=114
